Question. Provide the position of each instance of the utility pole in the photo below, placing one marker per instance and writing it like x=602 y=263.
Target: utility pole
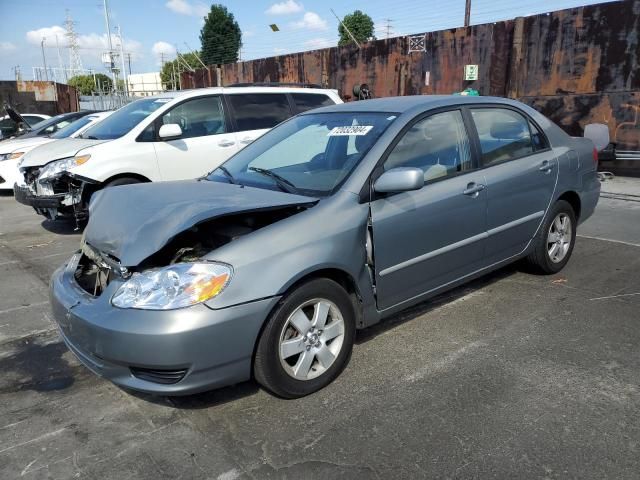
x=44 y=60
x=345 y=27
x=467 y=13
x=112 y=66
x=124 y=72
x=60 y=64
x=129 y=60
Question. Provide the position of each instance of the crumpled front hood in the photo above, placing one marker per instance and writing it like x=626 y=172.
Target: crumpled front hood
x=63 y=148
x=132 y=222
x=18 y=144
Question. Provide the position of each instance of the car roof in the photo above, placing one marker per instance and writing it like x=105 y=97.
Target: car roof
x=232 y=90
x=410 y=103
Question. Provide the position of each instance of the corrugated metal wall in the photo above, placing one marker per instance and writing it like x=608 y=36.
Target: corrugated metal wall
x=577 y=66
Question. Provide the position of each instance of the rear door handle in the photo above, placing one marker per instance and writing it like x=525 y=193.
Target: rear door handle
x=473 y=189
x=226 y=143
x=546 y=166
x=247 y=140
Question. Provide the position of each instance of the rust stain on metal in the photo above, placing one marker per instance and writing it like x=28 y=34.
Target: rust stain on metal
x=577 y=66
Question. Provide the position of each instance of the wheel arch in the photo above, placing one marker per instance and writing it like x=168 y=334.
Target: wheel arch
x=573 y=199
x=118 y=176
x=338 y=275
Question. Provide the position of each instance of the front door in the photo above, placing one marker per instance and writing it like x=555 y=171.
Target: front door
x=521 y=171
x=206 y=141
x=431 y=237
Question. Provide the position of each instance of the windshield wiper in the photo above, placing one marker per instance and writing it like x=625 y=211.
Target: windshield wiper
x=227 y=174
x=284 y=184
x=90 y=137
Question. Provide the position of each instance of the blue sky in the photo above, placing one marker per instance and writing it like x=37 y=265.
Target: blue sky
x=154 y=27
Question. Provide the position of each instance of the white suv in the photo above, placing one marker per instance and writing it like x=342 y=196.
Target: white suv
x=173 y=136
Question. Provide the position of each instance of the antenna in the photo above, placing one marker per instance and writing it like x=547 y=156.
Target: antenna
x=75 y=63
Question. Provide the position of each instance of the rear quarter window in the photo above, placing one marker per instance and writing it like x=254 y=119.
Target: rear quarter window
x=308 y=101
x=256 y=111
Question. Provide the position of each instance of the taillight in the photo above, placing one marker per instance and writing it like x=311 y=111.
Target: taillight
x=595 y=157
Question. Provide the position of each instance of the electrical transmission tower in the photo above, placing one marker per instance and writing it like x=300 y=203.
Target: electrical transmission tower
x=388 y=26
x=75 y=63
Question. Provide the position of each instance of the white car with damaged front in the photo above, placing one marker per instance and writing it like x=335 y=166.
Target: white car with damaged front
x=12 y=151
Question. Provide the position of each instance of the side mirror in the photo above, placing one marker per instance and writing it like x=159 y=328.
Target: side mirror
x=170 y=131
x=598 y=133
x=400 y=179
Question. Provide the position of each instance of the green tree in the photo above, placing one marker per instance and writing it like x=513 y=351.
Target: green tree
x=220 y=37
x=90 y=83
x=170 y=73
x=359 y=24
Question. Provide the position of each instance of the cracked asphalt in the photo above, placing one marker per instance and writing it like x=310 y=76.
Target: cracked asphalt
x=511 y=376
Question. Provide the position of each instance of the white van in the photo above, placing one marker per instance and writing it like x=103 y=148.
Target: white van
x=172 y=136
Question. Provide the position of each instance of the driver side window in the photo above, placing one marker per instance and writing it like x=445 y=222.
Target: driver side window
x=438 y=144
x=197 y=117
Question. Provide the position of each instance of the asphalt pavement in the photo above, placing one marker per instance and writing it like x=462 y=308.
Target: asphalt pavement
x=511 y=376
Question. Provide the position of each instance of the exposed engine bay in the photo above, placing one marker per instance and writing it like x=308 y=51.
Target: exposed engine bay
x=96 y=270
x=66 y=194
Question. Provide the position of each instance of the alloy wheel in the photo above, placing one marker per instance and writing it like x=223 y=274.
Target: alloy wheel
x=559 y=238
x=311 y=339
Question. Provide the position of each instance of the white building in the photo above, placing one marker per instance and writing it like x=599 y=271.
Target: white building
x=144 y=84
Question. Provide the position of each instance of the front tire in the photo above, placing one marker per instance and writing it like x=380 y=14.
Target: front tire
x=307 y=341
x=554 y=241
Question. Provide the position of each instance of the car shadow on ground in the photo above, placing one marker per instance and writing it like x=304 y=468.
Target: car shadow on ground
x=6 y=193
x=224 y=395
x=63 y=227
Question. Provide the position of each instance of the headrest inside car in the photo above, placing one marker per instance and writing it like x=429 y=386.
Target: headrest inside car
x=511 y=130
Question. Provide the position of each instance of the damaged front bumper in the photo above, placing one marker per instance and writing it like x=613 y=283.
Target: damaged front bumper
x=174 y=352
x=59 y=197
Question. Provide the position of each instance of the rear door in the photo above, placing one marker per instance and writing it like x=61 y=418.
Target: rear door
x=255 y=113
x=206 y=141
x=521 y=171
x=428 y=238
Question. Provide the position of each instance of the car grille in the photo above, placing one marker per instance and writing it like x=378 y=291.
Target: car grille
x=165 y=377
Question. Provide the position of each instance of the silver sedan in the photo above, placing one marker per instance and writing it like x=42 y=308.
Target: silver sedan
x=329 y=223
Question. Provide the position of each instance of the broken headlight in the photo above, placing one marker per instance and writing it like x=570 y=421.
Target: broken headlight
x=55 y=168
x=176 y=286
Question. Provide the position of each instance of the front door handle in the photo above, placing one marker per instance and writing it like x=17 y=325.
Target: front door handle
x=546 y=166
x=473 y=189
x=226 y=143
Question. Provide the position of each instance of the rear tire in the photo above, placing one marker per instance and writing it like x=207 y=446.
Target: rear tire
x=307 y=340
x=553 y=244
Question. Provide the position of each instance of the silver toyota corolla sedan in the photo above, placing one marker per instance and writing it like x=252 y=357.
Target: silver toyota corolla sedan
x=332 y=221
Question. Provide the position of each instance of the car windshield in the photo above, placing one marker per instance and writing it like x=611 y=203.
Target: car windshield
x=121 y=121
x=73 y=127
x=310 y=154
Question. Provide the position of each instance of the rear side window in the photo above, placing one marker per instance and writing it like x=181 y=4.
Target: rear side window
x=308 y=101
x=255 y=111
x=504 y=134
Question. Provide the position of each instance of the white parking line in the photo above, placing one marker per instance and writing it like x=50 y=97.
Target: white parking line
x=610 y=240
